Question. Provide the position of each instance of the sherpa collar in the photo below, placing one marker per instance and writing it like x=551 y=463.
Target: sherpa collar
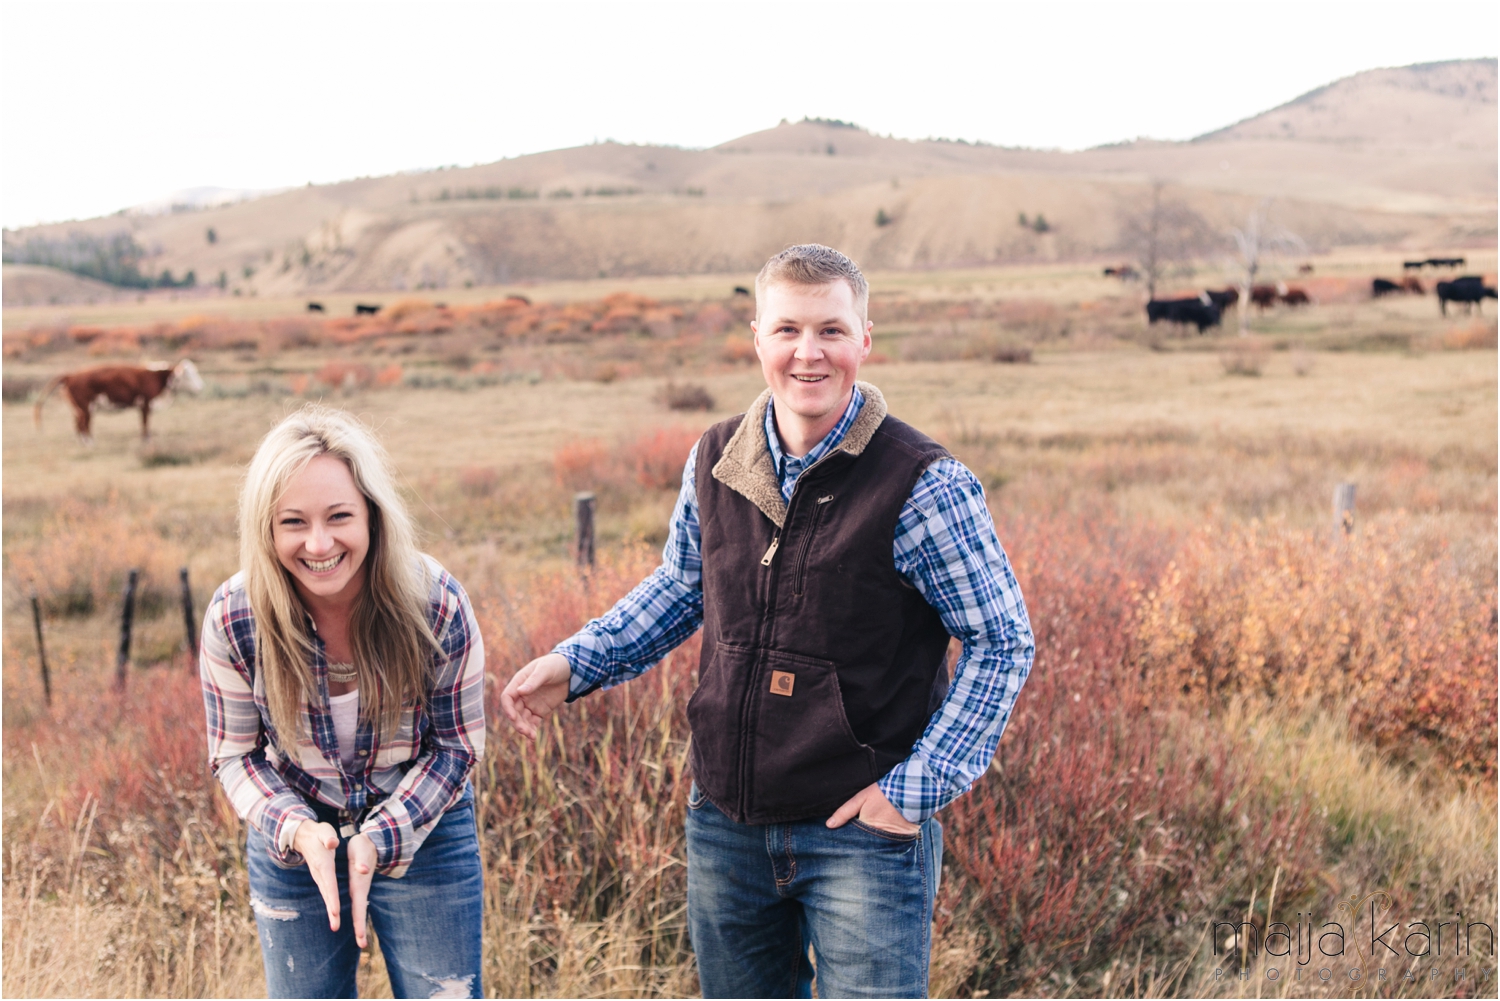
x=746 y=466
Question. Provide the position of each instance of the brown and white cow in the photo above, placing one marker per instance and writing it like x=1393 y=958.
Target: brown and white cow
x=119 y=386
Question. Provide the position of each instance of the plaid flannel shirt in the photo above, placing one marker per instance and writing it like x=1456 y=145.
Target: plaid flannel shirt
x=398 y=788
x=945 y=545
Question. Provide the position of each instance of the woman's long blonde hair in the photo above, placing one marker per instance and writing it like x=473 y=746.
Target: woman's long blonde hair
x=390 y=639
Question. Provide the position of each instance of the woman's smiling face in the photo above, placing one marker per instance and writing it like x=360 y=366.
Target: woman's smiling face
x=321 y=530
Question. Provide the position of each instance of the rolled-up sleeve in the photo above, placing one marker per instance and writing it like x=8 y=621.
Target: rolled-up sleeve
x=946 y=547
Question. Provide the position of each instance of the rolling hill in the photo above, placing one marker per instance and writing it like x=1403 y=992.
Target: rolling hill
x=1401 y=157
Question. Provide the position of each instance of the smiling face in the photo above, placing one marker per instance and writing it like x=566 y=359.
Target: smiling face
x=321 y=531
x=810 y=340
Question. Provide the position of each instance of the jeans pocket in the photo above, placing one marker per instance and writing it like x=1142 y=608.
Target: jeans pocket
x=696 y=797
x=896 y=837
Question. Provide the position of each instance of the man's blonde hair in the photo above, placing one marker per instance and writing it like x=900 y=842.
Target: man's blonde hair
x=813 y=264
x=390 y=639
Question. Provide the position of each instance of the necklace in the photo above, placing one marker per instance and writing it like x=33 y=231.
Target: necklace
x=342 y=673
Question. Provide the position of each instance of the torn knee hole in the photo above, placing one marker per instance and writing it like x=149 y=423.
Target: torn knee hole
x=265 y=910
x=451 y=987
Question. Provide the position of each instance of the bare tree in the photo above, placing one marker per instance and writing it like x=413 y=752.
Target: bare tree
x=1162 y=235
x=1259 y=239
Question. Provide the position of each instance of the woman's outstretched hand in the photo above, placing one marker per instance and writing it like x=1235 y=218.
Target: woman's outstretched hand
x=317 y=842
x=361 y=872
x=535 y=691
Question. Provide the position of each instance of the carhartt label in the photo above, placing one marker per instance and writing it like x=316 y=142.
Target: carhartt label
x=781 y=682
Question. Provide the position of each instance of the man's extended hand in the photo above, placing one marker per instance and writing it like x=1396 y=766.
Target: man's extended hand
x=873 y=810
x=535 y=691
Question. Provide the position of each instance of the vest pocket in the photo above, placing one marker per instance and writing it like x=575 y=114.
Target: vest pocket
x=805 y=754
x=715 y=713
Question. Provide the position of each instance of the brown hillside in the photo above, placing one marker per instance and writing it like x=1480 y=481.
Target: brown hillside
x=1433 y=104
x=1403 y=157
x=32 y=285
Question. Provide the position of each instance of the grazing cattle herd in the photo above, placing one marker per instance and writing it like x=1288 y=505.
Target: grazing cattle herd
x=119 y=386
x=1469 y=289
x=123 y=386
x=1206 y=310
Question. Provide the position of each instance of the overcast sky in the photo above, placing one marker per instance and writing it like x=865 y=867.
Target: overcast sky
x=111 y=105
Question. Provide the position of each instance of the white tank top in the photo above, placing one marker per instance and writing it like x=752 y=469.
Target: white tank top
x=345 y=710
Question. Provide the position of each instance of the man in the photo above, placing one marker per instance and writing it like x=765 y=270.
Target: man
x=829 y=551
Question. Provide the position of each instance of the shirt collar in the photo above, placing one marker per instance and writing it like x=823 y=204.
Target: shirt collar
x=789 y=468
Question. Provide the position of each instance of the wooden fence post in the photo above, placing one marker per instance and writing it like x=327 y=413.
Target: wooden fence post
x=1343 y=511
x=127 y=617
x=41 y=649
x=583 y=542
x=187 y=617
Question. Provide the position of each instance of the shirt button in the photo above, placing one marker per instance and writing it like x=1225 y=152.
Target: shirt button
x=364 y=753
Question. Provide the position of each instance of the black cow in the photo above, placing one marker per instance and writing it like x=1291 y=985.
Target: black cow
x=1383 y=286
x=1413 y=265
x=1469 y=290
x=1124 y=272
x=315 y=307
x=363 y=309
x=741 y=290
x=1195 y=311
x=1446 y=262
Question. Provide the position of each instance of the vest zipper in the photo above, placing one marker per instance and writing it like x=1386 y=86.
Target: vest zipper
x=745 y=752
x=765 y=560
x=807 y=540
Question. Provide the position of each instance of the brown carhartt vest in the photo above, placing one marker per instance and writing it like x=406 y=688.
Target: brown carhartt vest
x=821 y=664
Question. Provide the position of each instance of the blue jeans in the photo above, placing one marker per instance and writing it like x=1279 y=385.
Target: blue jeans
x=760 y=894
x=428 y=921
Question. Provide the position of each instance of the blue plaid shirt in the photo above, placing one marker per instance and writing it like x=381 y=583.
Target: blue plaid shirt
x=945 y=546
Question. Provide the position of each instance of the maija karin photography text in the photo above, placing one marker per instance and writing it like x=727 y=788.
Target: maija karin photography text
x=1414 y=950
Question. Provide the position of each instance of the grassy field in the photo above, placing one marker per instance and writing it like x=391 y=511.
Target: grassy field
x=1231 y=714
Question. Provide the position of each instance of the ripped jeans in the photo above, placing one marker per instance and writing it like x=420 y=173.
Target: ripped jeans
x=427 y=922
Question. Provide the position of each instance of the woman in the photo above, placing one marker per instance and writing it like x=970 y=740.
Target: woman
x=343 y=681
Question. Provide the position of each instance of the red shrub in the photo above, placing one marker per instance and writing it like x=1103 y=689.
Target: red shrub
x=657 y=457
x=1400 y=631
x=581 y=464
